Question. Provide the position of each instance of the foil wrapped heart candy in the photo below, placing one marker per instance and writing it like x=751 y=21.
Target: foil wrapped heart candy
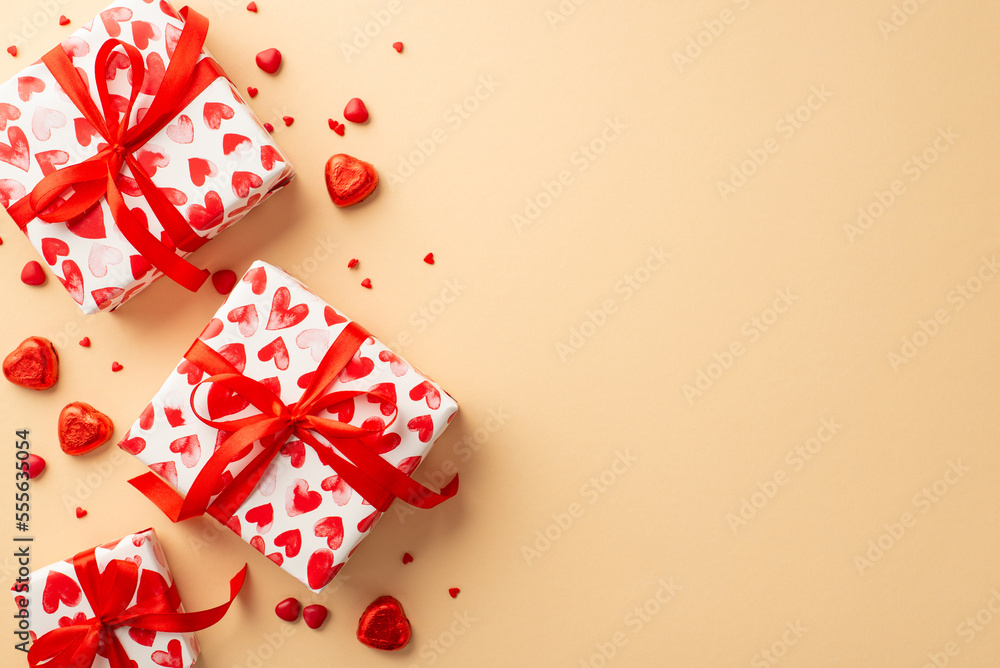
x=349 y=180
x=33 y=364
x=383 y=625
x=83 y=428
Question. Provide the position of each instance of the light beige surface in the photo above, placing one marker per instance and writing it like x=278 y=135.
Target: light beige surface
x=488 y=320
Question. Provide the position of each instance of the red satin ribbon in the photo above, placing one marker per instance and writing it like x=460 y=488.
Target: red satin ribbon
x=95 y=178
x=377 y=481
x=109 y=594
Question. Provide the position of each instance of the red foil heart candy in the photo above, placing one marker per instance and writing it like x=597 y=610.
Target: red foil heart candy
x=349 y=180
x=83 y=428
x=33 y=364
x=383 y=625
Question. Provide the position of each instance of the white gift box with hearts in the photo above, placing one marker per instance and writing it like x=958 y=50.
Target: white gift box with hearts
x=214 y=161
x=301 y=515
x=55 y=599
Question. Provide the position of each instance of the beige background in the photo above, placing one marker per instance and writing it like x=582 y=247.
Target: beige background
x=505 y=294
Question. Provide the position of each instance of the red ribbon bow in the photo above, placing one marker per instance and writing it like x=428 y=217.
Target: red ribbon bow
x=377 y=481
x=96 y=178
x=109 y=594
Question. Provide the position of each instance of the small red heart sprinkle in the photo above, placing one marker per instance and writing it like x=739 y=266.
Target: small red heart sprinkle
x=35 y=466
x=116 y=367
x=356 y=111
x=12 y=50
x=269 y=60
x=288 y=120
x=63 y=20
x=268 y=127
x=367 y=283
x=429 y=258
x=34 y=364
x=353 y=263
x=80 y=512
x=33 y=274
x=336 y=127
x=224 y=281
x=349 y=180
x=315 y=615
x=383 y=625
x=83 y=428
x=252 y=7
x=251 y=91
x=407 y=557
x=85 y=342
x=398 y=46
x=454 y=592
x=288 y=609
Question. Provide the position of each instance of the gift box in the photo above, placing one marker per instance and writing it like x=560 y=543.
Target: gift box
x=126 y=148
x=112 y=606
x=292 y=425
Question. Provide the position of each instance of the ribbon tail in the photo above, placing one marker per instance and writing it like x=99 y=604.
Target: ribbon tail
x=186 y=622
x=162 y=495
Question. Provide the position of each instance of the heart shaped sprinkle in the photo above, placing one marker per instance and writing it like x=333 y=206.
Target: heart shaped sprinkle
x=383 y=625
x=288 y=120
x=353 y=263
x=80 y=512
x=398 y=46
x=407 y=557
x=33 y=364
x=367 y=283
x=251 y=91
x=85 y=342
x=429 y=258
x=116 y=367
x=224 y=281
x=252 y=7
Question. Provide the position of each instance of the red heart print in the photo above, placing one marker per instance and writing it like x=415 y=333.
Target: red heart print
x=408 y=465
x=386 y=397
x=233 y=143
x=282 y=316
x=49 y=160
x=10 y=191
x=262 y=516
x=43 y=121
x=167 y=9
x=75 y=47
x=181 y=132
x=72 y=280
x=276 y=558
x=133 y=445
x=257 y=278
x=60 y=589
x=291 y=540
x=151 y=157
x=215 y=112
x=385 y=443
x=357 y=367
x=234 y=526
x=235 y=354
x=174 y=415
x=272 y=384
x=247 y=318
x=423 y=425
x=171 y=658
x=78 y=618
x=117 y=61
x=268 y=156
x=155 y=71
x=9 y=112
x=151 y=584
x=112 y=17
x=84 y=131
x=276 y=351
x=192 y=371
x=103 y=297
x=296 y=452
x=28 y=86
x=299 y=499
x=189 y=448
x=199 y=169
x=332 y=317
x=147 y=418
x=341 y=490
x=320 y=570
x=212 y=329
x=366 y=524
x=317 y=341
x=101 y=257
x=143 y=32
x=90 y=225
x=140 y=266
x=222 y=482
x=244 y=182
x=208 y=216
x=428 y=393
x=222 y=402
x=396 y=363
x=166 y=470
x=331 y=528
x=171 y=35
x=257 y=543
x=174 y=196
x=142 y=636
x=16 y=153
